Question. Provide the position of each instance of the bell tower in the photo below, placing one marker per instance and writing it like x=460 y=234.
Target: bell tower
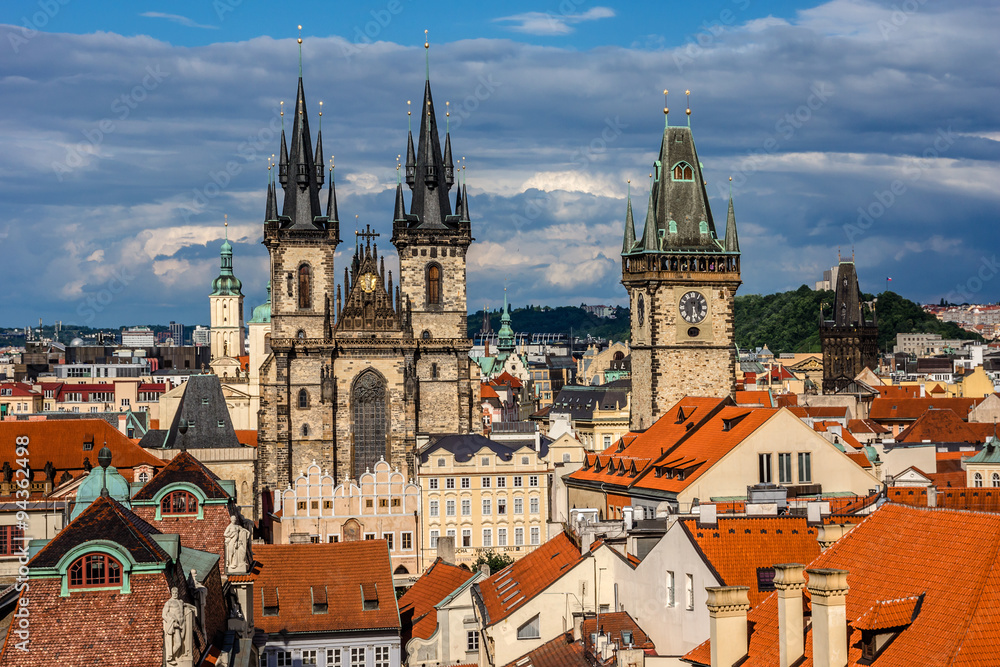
x=681 y=279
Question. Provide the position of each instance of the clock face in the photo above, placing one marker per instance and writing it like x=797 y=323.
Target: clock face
x=367 y=281
x=693 y=307
x=640 y=308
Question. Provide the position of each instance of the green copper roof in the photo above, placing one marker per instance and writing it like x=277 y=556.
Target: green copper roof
x=90 y=489
x=990 y=453
x=226 y=284
x=262 y=313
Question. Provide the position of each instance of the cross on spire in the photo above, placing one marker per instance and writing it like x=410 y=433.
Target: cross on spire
x=368 y=234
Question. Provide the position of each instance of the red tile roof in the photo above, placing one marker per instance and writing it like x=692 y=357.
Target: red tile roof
x=67 y=442
x=761 y=398
x=559 y=652
x=860 y=458
x=886 y=614
x=486 y=391
x=865 y=426
x=17 y=389
x=624 y=460
x=247 y=438
x=899 y=552
x=183 y=468
x=512 y=587
x=909 y=409
x=944 y=425
x=976 y=499
x=826 y=411
x=417 y=607
x=614 y=623
x=293 y=576
x=737 y=546
x=507 y=378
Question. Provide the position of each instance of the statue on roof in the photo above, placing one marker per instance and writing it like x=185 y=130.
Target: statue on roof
x=237 y=540
x=178 y=638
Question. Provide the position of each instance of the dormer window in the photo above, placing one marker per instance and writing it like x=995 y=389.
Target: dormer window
x=672 y=227
x=683 y=172
x=703 y=227
x=95 y=571
x=179 y=503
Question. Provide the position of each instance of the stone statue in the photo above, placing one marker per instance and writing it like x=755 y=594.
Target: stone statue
x=201 y=598
x=178 y=643
x=237 y=540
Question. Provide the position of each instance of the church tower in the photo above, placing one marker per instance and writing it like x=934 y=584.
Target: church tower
x=849 y=340
x=226 y=304
x=432 y=242
x=681 y=279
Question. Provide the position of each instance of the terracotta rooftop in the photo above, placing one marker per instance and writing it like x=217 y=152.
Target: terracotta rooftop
x=754 y=398
x=67 y=443
x=866 y=426
x=486 y=391
x=417 y=607
x=621 y=463
x=944 y=425
x=247 y=437
x=735 y=548
x=560 y=652
x=909 y=409
x=320 y=587
x=615 y=623
x=513 y=586
x=948 y=557
x=507 y=378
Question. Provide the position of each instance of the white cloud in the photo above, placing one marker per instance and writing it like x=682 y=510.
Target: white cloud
x=545 y=23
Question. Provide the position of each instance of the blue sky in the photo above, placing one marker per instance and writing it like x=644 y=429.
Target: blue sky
x=845 y=124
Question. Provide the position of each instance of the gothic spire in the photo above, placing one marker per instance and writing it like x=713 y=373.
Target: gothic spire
x=732 y=241
x=271 y=212
x=400 y=212
x=331 y=198
x=301 y=205
x=449 y=165
x=629 y=241
x=318 y=158
x=459 y=203
x=465 y=203
x=649 y=241
x=283 y=156
x=430 y=185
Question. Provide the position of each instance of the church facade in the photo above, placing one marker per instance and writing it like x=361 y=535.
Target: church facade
x=357 y=369
x=681 y=280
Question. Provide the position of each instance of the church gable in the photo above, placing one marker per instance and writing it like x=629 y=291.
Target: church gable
x=370 y=305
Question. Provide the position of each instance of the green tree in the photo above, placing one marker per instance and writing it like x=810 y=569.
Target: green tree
x=496 y=561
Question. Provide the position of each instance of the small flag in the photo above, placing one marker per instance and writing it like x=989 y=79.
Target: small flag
x=889 y=279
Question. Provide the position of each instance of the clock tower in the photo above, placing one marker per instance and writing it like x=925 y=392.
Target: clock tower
x=681 y=278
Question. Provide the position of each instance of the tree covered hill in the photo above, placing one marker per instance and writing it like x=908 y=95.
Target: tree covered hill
x=785 y=321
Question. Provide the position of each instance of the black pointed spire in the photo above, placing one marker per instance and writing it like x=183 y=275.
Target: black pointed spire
x=318 y=158
x=629 y=241
x=331 y=199
x=649 y=241
x=459 y=204
x=400 y=212
x=430 y=186
x=271 y=214
x=283 y=157
x=301 y=206
x=732 y=241
x=449 y=165
x=465 y=203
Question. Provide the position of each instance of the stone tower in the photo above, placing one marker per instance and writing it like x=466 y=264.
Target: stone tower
x=226 y=304
x=850 y=339
x=681 y=280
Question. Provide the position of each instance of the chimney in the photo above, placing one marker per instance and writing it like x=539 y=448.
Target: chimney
x=727 y=621
x=828 y=589
x=446 y=549
x=789 y=581
x=932 y=496
x=708 y=515
x=829 y=533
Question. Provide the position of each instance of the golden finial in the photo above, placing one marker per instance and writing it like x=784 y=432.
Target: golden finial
x=730 y=179
x=300 y=34
x=282 y=103
x=427 y=43
x=447 y=109
x=688 y=93
x=321 y=108
x=331 y=163
x=226 y=218
x=408 y=112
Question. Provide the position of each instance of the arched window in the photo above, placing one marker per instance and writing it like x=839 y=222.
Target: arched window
x=433 y=284
x=672 y=227
x=303 y=398
x=996 y=479
x=305 y=286
x=683 y=172
x=368 y=408
x=426 y=335
x=305 y=430
x=95 y=570
x=977 y=479
x=178 y=502
x=143 y=477
x=400 y=570
x=703 y=227
x=301 y=334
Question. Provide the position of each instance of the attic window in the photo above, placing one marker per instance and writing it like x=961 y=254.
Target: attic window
x=369 y=597
x=703 y=227
x=88 y=446
x=319 y=599
x=204 y=400
x=269 y=599
x=531 y=629
x=765 y=579
x=627 y=637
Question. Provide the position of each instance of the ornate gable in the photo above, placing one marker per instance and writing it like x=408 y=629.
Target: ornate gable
x=370 y=304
